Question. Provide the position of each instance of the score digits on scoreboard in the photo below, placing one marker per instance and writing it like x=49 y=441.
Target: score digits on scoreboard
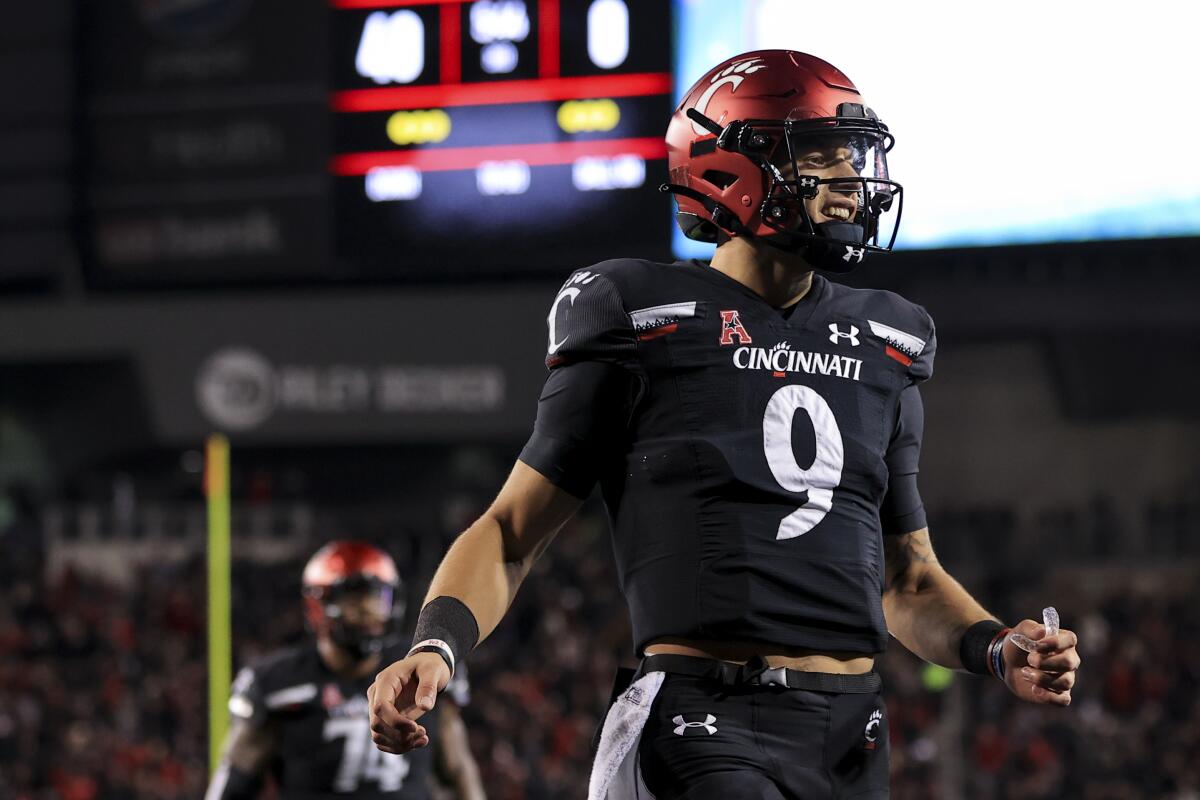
x=489 y=134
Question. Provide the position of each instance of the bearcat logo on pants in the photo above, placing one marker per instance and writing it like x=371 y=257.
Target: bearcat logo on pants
x=871 y=732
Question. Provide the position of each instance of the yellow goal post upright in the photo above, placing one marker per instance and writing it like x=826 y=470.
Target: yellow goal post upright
x=220 y=637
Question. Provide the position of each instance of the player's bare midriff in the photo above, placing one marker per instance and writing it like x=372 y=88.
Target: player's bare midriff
x=841 y=663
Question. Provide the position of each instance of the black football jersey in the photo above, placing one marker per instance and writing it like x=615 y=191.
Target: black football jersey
x=322 y=728
x=745 y=489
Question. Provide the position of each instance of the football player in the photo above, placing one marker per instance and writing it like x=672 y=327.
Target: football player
x=301 y=713
x=755 y=429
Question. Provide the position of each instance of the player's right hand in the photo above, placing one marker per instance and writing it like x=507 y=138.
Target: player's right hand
x=1047 y=675
x=400 y=695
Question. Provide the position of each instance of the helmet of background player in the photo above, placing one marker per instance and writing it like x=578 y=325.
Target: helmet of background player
x=778 y=145
x=352 y=595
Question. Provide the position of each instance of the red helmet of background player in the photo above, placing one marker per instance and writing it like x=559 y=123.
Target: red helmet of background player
x=344 y=569
x=733 y=135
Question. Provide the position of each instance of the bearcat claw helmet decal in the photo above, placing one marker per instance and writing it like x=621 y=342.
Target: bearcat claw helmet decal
x=778 y=145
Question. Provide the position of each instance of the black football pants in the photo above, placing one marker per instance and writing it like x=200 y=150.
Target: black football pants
x=707 y=740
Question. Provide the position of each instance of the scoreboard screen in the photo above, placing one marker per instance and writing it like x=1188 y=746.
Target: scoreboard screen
x=520 y=135
x=368 y=139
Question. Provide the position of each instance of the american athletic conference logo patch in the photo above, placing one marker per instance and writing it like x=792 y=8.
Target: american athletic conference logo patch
x=731 y=327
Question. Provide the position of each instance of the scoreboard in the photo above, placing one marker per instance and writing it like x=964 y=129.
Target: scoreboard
x=233 y=141
x=522 y=134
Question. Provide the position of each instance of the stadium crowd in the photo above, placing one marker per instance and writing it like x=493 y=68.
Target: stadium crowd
x=103 y=688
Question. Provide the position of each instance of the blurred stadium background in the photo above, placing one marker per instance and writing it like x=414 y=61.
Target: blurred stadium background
x=331 y=231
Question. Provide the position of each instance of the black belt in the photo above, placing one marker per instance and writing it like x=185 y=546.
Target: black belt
x=755 y=672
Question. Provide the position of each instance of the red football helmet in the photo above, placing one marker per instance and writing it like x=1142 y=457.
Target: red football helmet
x=778 y=145
x=344 y=569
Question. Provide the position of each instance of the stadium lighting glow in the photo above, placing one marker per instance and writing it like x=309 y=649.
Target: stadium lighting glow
x=601 y=174
x=993 y=146
x=577 y=116
x=385 y=184
x=392 y=47
x=418 y=127
x=498 y=20
x=608 y=33
x=502 y=177
x=499 y=58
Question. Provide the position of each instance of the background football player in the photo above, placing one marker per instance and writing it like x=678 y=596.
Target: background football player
x=301 y=714
x=755 y=430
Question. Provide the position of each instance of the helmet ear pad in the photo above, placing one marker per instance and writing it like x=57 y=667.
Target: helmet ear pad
x=732 y=183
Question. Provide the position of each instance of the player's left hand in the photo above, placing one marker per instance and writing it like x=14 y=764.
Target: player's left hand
x=1046 y=675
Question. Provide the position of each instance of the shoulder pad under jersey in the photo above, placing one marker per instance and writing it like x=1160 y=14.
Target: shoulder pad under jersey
x=588 y=320
x=280 y=680
x=905 y=328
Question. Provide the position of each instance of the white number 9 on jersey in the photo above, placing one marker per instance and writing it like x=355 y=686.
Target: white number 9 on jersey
x=820 y=479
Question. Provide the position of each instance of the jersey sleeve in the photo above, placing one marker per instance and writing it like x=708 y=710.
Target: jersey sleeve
x=907 y=332
x=594 y=383
x=902 y=510
x=921 y=368
x=247 y=700
x=588 y=322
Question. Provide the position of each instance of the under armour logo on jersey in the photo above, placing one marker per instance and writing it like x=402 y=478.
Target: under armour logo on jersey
x=682 y=726
x=731 y=326
x=854 y=254
x=837 y=334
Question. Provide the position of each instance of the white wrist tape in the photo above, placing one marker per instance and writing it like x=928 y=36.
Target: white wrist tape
x=438 y=645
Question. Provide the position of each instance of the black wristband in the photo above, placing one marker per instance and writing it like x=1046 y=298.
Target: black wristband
x=976 y=645
x=449 y=620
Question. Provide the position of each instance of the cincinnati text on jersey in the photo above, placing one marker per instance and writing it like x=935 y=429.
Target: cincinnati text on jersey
x=782 y=359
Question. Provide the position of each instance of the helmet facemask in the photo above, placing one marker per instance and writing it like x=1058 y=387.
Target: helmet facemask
x=827 y=191
x=357 y=612
x=835 y=219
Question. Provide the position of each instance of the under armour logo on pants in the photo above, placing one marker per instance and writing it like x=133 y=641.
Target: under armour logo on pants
x=682 y=726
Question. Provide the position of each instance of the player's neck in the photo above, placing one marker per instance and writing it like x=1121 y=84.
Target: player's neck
x=344 y=664
x=779 y=278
